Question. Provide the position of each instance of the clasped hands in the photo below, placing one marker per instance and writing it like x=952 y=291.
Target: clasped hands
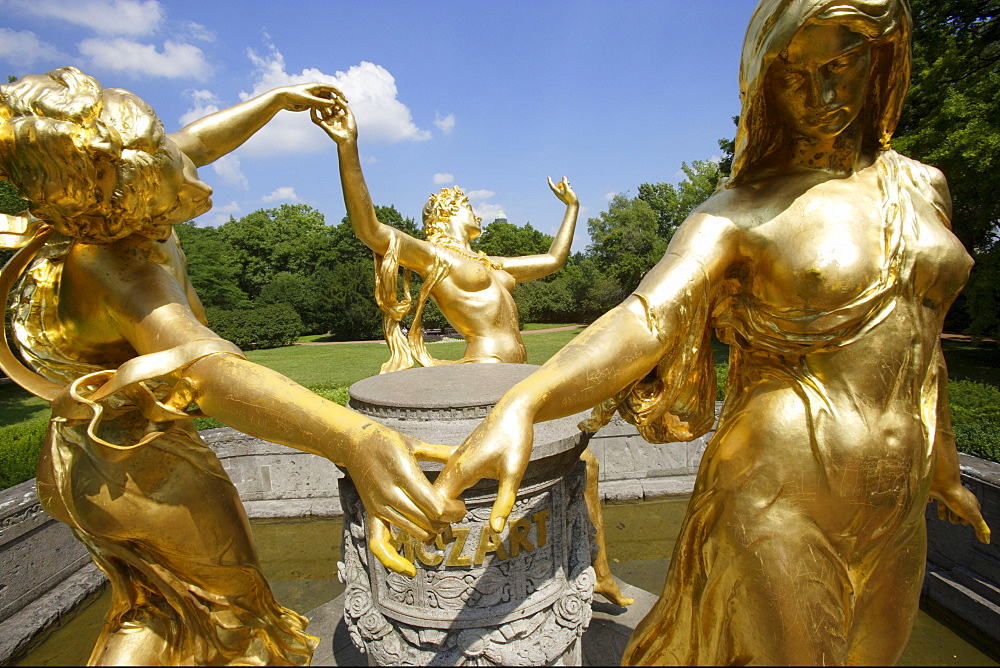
x=394 y=489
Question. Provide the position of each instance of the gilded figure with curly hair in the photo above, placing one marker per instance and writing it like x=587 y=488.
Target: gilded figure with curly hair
x=113 y=335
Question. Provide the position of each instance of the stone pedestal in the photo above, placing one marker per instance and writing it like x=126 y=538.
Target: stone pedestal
x=520 y=597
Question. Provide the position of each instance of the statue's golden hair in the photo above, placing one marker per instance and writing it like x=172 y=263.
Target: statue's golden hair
x=87 y=159
x=440 y=208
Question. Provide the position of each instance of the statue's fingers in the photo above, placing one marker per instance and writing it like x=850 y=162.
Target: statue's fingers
x=431 y=503
x=982 y=531
x=404 y=513
x=433 y=452
x=451 y=482
x=942 y=511
x=380 y=543
x=506 y=496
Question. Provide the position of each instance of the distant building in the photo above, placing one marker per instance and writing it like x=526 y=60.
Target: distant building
x=501 y=217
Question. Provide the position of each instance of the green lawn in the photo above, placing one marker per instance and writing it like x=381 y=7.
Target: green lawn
x=529 y=326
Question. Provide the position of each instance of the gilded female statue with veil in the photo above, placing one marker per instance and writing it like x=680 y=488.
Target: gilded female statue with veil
x=113 y=335
x=827 y=264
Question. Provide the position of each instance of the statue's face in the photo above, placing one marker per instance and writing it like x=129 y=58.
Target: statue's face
x=821 y=79
x=468 y=222
x=181 y=194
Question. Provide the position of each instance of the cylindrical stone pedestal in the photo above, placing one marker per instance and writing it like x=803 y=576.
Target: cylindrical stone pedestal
x=520 y=597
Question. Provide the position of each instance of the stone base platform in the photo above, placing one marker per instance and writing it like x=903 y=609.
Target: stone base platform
x=603 y=643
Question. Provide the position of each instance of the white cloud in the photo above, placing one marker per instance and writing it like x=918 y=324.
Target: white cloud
x=205 y=102
x=176 y=61
x=479 y=194
x=441 y=179
x=220 y=214
x=228 y=169
x=370 y=88
x=109 y=17
x=198 y=32
x=23 y=48
x=488 y=212
x=445 y=124
x=282 y=194
x=609 y=196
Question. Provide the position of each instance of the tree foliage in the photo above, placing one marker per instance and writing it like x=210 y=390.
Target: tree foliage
x=674 y=203
x=10 y=201
x=952 y=120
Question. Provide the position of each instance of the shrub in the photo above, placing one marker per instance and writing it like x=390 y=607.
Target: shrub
x=19 y=447
x=975 y=418
x=267 y=326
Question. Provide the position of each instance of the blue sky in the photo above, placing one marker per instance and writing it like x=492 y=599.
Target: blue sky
x=491 y=96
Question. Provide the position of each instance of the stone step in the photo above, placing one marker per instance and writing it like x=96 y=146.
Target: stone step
x=982 y=613
x=977 y=583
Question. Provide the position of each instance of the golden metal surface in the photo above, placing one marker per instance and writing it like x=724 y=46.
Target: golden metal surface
x=102 y=311
x=473 y=291
x=827 y=264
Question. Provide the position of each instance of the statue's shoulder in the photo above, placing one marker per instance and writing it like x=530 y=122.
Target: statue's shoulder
x=930 y=180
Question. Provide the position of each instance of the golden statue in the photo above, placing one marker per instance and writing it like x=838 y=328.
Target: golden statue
x=115 y=336
x=473 y=290
x=827 y=264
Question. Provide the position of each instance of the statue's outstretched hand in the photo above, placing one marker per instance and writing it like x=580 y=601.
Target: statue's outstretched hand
x=564 y=191
x=960 y=506
x=337 y=120
x=394 y=490
x=307 y=96
x=499 y=448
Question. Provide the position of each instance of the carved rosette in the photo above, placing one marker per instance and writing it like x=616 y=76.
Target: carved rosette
x=520 y=597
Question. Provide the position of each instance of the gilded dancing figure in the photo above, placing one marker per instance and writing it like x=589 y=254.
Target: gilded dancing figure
x=473 y=290
x=104 y=314
x=827 y=264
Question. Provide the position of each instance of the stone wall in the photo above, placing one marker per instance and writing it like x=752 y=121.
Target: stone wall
x=45 y=573
x=963 y=575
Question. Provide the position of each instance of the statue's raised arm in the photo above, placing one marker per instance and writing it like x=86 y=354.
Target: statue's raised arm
x=472 y=290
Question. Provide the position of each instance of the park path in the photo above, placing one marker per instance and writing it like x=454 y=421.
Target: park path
x=565 y=328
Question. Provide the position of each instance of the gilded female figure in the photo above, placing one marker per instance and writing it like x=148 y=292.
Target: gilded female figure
x=827 y=264
x=105 y=316
x=473 y=290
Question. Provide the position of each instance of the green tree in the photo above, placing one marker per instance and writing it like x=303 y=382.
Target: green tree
x=505 y=239
x=212 y=266
x=625 y=242
x=952 y=120
x=11 y=201
x=292 y=238
x=674 y=203
x=952 y=115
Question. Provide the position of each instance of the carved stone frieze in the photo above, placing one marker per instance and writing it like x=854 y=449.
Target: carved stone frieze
x=519 y=597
